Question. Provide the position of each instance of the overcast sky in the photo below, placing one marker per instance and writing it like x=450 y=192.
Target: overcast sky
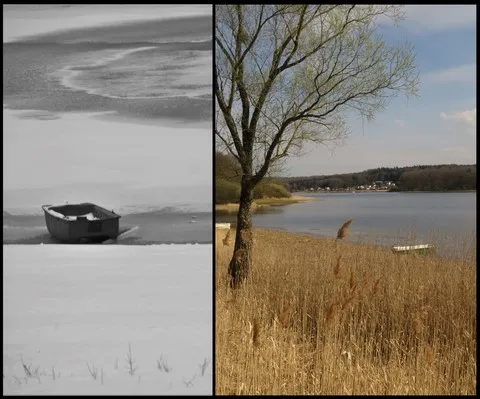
x=439 y=126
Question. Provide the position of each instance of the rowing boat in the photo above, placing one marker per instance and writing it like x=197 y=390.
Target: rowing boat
x=77 y=223
x=421 y=249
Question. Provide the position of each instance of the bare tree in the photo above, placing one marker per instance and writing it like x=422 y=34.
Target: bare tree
x=289 y=74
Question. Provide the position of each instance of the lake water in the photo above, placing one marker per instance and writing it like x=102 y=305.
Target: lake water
x=447 y=220
x=68 y=87
x=143 y=70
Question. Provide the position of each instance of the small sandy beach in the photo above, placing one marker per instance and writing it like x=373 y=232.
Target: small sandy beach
x=264 y=203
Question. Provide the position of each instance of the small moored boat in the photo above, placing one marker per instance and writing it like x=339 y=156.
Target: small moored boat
x=76 y=223
x=421 y=249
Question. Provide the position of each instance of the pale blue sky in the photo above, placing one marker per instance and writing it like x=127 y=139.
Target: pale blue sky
x=439 y=126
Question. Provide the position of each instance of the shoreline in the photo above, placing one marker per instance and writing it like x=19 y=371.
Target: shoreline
x=322 y=238
x=384 y=191
x=260 y=204
x=264 y=203
x=311 y=291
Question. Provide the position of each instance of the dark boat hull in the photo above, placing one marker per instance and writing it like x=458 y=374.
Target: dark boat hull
x=74 y=228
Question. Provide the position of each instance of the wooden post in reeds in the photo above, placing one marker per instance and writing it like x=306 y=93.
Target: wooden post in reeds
x=221 y=231
x=226 y=240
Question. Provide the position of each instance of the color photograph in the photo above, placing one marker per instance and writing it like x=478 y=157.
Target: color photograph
x=345 y=199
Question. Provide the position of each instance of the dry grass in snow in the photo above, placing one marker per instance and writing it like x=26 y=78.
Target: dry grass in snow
x=107 y=319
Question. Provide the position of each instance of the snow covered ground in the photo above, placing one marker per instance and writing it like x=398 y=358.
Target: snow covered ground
x=73 y=316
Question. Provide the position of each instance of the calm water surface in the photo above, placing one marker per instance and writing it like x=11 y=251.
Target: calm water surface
x=447 y=220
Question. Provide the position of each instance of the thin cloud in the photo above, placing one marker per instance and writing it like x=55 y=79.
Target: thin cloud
x=458 y=74
x=434 y=18
x=440 y=17
x=468 y=117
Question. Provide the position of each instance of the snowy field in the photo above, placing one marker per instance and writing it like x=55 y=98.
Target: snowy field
x=100 y=319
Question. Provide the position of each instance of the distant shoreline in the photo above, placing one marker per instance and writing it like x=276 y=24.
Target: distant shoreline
x=262 y=204
x=385 y=191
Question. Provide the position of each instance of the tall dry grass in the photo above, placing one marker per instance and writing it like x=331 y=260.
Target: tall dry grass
x=321 y=316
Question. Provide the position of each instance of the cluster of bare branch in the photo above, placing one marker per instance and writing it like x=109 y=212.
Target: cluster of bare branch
x=286 y=74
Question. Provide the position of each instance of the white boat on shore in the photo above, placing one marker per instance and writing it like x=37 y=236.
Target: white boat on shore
x=421 y=249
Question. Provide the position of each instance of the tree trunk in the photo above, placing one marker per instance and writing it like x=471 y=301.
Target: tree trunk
x=239 y=267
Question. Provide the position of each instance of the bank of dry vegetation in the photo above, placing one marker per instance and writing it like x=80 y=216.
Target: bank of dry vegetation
x=319 y=316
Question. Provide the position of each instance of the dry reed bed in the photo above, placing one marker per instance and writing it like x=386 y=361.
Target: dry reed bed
x=320 y=316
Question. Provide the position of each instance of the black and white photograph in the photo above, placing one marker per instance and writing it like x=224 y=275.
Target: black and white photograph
x=107 y=199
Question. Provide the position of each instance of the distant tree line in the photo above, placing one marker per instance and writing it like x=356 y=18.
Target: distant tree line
x=228 y=174
x=411 y=178
x=441 y=178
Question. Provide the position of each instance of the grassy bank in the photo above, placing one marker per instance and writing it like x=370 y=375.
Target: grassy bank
x=319 y=317
x=263 y=203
